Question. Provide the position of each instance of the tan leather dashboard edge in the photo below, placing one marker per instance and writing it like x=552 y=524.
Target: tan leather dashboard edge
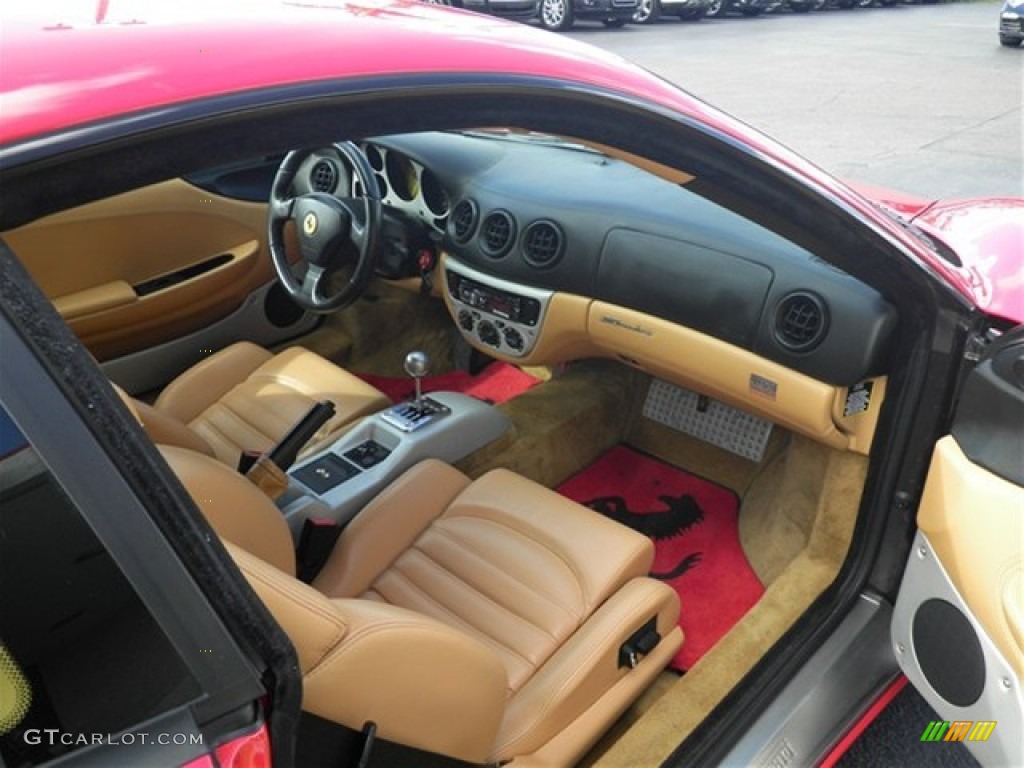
x=734 y=376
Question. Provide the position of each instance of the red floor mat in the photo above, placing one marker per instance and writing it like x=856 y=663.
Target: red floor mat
x=495 y=384
x=695 y=529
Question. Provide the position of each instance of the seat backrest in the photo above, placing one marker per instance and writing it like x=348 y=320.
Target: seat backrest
x=163 y=428
x=423 y=683
x=236 y=509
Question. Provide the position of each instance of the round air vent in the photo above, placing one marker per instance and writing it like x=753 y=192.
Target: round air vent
x=497 y=233
x=323 y=177
x=543 y=244
x=801 y=322
x=462 y=223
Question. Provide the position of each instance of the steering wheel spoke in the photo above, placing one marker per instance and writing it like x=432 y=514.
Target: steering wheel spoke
x=282 y=208
x=311 y=282
x=359 y=231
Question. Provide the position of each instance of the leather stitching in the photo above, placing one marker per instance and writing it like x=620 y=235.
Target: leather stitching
x=466 y=551
x=461 y=582
x=569 y=564
x=480 y=634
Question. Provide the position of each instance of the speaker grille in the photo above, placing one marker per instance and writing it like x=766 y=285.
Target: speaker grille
x=949 y=652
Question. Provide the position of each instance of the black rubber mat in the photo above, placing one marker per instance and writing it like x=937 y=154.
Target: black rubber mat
x=893 y=740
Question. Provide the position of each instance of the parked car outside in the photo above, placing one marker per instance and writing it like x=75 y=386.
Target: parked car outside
x=517 y=10
x=560 y=15
x=1011 y=23
x=191 y=188
x=649 y=11
x=750 y=8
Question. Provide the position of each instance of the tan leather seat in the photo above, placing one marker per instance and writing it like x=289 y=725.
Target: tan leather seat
x=245 y=398
x=478 y=619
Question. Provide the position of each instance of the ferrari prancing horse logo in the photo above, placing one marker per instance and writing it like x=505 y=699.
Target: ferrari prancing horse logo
x=309 y=224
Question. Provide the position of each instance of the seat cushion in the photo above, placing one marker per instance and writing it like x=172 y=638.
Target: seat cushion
x=505 y=560
x=243 y=398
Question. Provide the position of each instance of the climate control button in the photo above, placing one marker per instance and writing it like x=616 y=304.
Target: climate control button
x=514 y=339
x=488 y=334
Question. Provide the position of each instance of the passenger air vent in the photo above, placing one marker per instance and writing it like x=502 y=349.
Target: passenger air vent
x=542 y=244
x=323 y=177
x=462 y=223
x=497 y=233
x=801 y=322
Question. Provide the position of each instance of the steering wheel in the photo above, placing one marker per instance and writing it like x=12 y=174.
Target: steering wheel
x=332 y=232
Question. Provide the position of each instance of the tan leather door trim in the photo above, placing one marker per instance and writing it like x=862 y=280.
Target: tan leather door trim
x=975 y=523
x=89 y=259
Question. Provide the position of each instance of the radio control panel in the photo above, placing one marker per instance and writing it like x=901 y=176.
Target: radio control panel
x=494 y=313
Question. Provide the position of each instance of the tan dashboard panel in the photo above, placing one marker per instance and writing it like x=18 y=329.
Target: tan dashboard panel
x=85 y=257
x=564 y=336
x=718 y=369
x=975 y=523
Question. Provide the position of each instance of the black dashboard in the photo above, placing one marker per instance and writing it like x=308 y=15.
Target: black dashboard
x=530 y=216
x=550 y=215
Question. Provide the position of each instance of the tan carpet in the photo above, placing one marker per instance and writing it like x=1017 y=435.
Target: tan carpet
x=377 y=331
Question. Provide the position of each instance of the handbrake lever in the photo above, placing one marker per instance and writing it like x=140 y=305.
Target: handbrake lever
x=268 y=471
x=287 y=449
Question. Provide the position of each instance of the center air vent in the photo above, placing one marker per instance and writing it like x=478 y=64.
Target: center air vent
x=323 y=177
x=462 y=223
x=497 y=233
x=801 y=322
x=542 y=244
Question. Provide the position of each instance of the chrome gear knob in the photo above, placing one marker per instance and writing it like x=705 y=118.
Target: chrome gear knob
x=417 y=365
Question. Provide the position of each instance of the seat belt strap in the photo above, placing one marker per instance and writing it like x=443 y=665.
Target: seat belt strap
x=316 y=542
x=326 y=744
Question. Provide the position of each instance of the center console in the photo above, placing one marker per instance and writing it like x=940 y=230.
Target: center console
x=507 y=317
x=339 y=481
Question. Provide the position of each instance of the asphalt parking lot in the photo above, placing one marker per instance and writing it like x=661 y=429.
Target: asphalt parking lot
x=917 y=98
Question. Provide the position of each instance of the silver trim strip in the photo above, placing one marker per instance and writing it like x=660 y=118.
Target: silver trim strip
x=838 y=681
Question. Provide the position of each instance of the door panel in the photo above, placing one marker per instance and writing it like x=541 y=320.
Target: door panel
x=975 y=523
x=146 y=266
x=958 y=626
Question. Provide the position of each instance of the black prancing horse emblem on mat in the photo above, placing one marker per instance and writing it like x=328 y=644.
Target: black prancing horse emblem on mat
x=680 y=514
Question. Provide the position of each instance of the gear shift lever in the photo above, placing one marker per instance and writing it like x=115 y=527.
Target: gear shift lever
x=421 y=411
x=417 y=365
